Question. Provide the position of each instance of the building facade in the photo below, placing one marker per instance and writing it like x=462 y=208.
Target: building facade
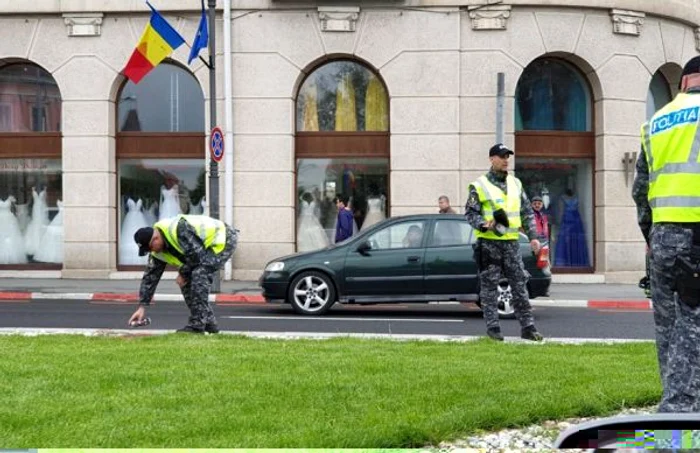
x=390 y=102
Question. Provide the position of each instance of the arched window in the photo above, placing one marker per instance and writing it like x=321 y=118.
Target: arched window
x=160 y=152
x=555 y=151
x=659 y=94
x=30 y=167
x=342 y=148
x=552 y=96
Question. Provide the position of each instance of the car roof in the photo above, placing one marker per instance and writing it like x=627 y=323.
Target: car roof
x=426 y=217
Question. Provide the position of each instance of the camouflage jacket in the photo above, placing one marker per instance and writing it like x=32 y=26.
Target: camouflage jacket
x=194 y=253
x=640 y=194
x=472 y=210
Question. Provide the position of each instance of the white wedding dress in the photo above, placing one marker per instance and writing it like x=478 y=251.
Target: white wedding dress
x=195 y=209
x=11 y=242
x=23 y=217
x=150 y=214
x=38 y=223
x=310 y=233
x=133 y=220
x=51 y=246
x=375 y=212
x=169 y=203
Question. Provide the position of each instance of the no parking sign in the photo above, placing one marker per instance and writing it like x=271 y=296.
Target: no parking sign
x=216 y=144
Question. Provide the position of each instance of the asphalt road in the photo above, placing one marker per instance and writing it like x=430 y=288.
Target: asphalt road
x=457 y=320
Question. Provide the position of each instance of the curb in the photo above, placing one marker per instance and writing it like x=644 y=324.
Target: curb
x=222 y=299
x=247 y=299
x=33 y=332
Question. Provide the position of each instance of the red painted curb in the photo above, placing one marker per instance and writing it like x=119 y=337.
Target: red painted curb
x=15 y=296
x=630 y=304
x=240 y=299
x=130 y=297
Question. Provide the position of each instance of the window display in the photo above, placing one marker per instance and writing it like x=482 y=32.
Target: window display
x=566 y=189
x=552 y=96
x=31 y=220
x=319 y=181
x=153 y=190
x=342 y=96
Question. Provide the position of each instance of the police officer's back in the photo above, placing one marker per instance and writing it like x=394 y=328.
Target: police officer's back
x=667 y=193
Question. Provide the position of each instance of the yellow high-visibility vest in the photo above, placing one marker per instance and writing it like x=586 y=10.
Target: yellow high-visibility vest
x=212 y=232
x=492 y=198
x=671 y=143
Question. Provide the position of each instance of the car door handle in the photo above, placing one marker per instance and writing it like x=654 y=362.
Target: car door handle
x=413 y=259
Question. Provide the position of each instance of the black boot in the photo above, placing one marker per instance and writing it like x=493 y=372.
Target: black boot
x=530 y=333
x=494 y=333
x=191 y=329
x=211 y=327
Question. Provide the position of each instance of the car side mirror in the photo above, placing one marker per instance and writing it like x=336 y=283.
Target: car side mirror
x=364 y=248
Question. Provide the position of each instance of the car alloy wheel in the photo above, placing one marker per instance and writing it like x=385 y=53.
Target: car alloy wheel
x=311 y=293
x=505 y=300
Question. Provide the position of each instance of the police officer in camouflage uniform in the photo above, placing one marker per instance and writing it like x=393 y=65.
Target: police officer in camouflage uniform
x=198 y=246
x=666 y=191
x=497 y=207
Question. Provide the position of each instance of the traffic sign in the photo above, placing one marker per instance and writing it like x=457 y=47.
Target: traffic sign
x=216 y=144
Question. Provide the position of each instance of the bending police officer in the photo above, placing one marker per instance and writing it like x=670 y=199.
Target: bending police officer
x=496 y=208
x=666 y=191
x=198 y=246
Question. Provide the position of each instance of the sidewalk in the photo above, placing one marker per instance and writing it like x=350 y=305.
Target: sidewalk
x=561 y=295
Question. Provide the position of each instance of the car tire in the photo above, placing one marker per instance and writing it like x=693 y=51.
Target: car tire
x=311 y=293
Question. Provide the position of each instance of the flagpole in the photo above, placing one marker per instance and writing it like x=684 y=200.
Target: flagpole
x=213 y=165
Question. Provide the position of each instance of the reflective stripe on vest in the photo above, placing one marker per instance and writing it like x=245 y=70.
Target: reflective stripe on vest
x=493 y=198
x=212 y=232
x=671 y=143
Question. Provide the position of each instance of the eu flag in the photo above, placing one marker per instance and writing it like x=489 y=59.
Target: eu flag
x=202 y=38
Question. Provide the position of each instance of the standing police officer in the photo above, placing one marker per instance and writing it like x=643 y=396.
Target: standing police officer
x=667 y=193
x=198 y=246
x=497 y=208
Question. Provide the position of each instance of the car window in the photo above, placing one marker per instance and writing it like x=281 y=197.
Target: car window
x=397 y=236
x=449 y=233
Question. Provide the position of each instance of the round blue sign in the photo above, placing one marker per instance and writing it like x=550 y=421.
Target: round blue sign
x=216 y=144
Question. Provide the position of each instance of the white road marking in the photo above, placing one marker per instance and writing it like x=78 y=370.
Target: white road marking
x=328 y=318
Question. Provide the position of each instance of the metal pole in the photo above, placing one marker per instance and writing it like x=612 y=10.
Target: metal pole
x=213 y=165
x=500 y=101
x=228 y=131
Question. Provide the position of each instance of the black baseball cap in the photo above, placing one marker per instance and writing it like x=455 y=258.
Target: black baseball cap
x=500 y=150
x=143 y=239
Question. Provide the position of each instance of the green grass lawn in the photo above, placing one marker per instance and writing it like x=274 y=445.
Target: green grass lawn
x=223 y=391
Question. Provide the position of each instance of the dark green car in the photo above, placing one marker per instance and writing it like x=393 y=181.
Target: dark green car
x=419 y=258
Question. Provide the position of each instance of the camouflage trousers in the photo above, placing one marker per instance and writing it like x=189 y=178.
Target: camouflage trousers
x=198 y=282
x=677 y=324
x=502 y=259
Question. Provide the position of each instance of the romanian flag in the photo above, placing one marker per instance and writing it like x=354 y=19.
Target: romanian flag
x=158 y=41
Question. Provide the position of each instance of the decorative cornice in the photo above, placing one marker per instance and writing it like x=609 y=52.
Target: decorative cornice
x=83 y=24
x=338 y=18
x=493 y=17
x=627 y=22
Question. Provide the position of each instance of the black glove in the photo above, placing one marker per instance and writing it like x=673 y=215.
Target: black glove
x=501 y=218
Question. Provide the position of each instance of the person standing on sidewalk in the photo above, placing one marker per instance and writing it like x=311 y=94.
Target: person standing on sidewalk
x=497 y=207
x=541 y=220
x=666 y=191
x=444 y=205
x=198 y=246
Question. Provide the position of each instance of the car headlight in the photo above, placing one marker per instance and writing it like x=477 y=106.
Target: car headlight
x=275 y=267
